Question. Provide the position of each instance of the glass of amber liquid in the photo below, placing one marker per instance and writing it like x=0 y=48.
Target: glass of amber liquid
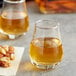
x=57 y=6
x=14 y=20
x=46 y=47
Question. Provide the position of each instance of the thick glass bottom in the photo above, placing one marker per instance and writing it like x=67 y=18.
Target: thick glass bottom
x=15 y=36
x=46 y=67
x=10 y=36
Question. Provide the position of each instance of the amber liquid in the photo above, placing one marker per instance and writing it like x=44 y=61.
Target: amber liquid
x=16 y=24
x=46 y=51
x=57 y=6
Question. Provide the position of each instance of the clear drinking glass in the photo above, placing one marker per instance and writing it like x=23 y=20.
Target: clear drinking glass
x=46 y=47
x=14 y=18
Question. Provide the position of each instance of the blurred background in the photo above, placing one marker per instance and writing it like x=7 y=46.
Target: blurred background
x=1 y=2
x=54 y=6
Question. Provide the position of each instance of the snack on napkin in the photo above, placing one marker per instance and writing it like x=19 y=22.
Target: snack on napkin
x=6 y=55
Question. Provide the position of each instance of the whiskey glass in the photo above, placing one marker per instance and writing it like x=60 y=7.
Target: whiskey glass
x=14 y=20
x=46 y=47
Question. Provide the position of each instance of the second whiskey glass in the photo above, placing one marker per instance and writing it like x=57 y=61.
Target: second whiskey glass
x=14 y=18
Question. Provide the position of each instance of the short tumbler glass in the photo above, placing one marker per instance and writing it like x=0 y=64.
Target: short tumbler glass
x=46 y=47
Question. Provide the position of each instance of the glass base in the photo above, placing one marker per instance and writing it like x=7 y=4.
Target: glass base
x=15 y=36
x=41 y=66
x=11 y=36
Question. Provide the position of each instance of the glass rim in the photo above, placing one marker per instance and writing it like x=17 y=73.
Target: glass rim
x=10 y=1
x=55 y=23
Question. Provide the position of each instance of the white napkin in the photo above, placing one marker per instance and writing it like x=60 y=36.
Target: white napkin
x=11 y=71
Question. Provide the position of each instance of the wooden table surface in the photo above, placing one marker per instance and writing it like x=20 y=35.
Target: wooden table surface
x=68 y=34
